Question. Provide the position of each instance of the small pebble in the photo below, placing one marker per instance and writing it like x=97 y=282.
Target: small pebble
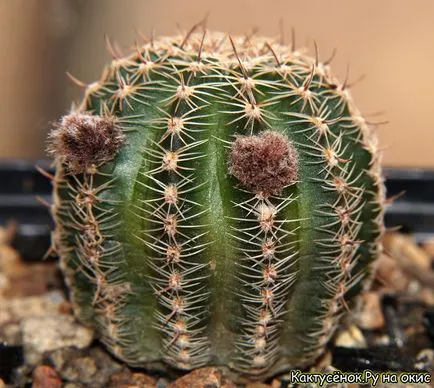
x=162 y=382
x=11 y=333
x=425 y=359
x=428 y=246
x=126 y=379
x=4 y=284
x=42 y=334
x=276 y=383
x=208 y=377
x=427 y=296
x=398 y=244
x=351 y=338
x=257 y=385
x=16 y=309
x=412 y=260
x=45 y=376
x=81 y=369
x=391 y=274
x=86 y=367
x=370 y=316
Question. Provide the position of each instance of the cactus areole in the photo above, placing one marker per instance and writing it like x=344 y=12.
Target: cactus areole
x=218 y=201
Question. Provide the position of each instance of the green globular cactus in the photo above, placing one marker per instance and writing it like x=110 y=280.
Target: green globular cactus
x=218 y=201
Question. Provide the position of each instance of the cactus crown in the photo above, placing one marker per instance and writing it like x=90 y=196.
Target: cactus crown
x=217 y=201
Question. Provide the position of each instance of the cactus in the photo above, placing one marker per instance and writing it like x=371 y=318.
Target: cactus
x=217 y=201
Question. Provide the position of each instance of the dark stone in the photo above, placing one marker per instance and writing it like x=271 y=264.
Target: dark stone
x=429 y=324
x=11 y=357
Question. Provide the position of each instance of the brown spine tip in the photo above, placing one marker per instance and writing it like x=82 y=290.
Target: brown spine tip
x=82 y=141
x=265 y=163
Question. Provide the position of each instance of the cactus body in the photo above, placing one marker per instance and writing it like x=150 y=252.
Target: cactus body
x=216 y=201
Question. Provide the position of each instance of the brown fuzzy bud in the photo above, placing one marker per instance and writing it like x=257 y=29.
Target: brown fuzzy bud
x=265 y=163
x=82 y=141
